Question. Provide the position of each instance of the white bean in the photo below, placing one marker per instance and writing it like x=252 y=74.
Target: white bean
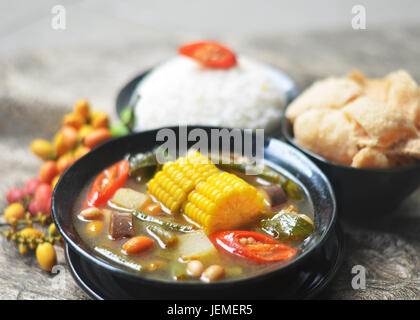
x=195 y=268
x=92 y=214
x=213 y=273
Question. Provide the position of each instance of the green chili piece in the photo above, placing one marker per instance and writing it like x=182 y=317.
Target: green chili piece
x=288 y=225
x=167 y=237
x=173 y=226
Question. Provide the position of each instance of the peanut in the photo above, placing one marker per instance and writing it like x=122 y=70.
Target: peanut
x=137 y=245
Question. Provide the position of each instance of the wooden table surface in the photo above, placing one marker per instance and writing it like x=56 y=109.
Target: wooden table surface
x=38 y=86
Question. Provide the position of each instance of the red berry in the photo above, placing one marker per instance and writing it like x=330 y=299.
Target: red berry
x=33 y=207
x=43 y=197
x=15 y=195
x=31 y=185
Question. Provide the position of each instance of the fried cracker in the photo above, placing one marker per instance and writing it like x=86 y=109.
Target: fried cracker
x=409 y=148
x=328 y=133
x=385 y=124
x=405 y=93
x=370 y=158
x=331 y=93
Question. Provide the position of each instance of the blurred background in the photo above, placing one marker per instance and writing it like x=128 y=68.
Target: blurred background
x=134 y=35
x=26 y=24
x=118 y=39
x=44 y=71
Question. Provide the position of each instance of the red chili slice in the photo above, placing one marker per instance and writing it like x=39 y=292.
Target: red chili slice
x=106 y=183
x=209 y=54
x=264 y=248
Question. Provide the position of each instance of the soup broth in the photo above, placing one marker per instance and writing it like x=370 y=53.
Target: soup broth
x=168 y=262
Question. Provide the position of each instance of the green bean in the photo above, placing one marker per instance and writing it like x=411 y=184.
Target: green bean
x=292 y=189
x=118 y=258
x=173 y=226
x=243 y=167
x=165 y=236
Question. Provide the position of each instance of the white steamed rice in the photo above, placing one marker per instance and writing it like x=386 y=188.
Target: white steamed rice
x=181 y=92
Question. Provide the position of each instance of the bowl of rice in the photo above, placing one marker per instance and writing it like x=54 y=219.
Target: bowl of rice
x=181 y=91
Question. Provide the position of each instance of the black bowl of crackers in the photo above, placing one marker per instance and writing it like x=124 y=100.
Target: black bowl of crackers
x=364 y=134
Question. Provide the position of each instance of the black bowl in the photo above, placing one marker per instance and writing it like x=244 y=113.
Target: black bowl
x=363 y=192
x=282 y=157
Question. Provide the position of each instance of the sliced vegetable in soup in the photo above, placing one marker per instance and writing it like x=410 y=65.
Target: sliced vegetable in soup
x=193 y=218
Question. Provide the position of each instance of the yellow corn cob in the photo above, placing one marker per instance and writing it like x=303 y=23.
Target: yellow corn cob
x=176 y=180
x=222 y=202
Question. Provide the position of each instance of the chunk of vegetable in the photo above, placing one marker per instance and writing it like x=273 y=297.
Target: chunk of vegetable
x=121 y=225
x=274 y=193
x=178 y=271
x=196 y=246
x=130 y=199
x=288 y=224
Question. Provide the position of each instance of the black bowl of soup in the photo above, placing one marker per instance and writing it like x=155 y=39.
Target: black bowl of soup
x=363 y=193
x=195 y=225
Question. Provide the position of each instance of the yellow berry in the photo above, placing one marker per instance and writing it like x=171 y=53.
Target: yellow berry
x=64 y=162
x=23 y=249
x=81 y=151
x=52 y=230
x=85 y=130
x=55 y=180
x=31 y=233
x=42 y=148
x=82 y=108
x=100 y=120
x=46 y=256
x=70 y=136
x=60 y=145
x=15 y=211
x=74 y=120
x=97 y=137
